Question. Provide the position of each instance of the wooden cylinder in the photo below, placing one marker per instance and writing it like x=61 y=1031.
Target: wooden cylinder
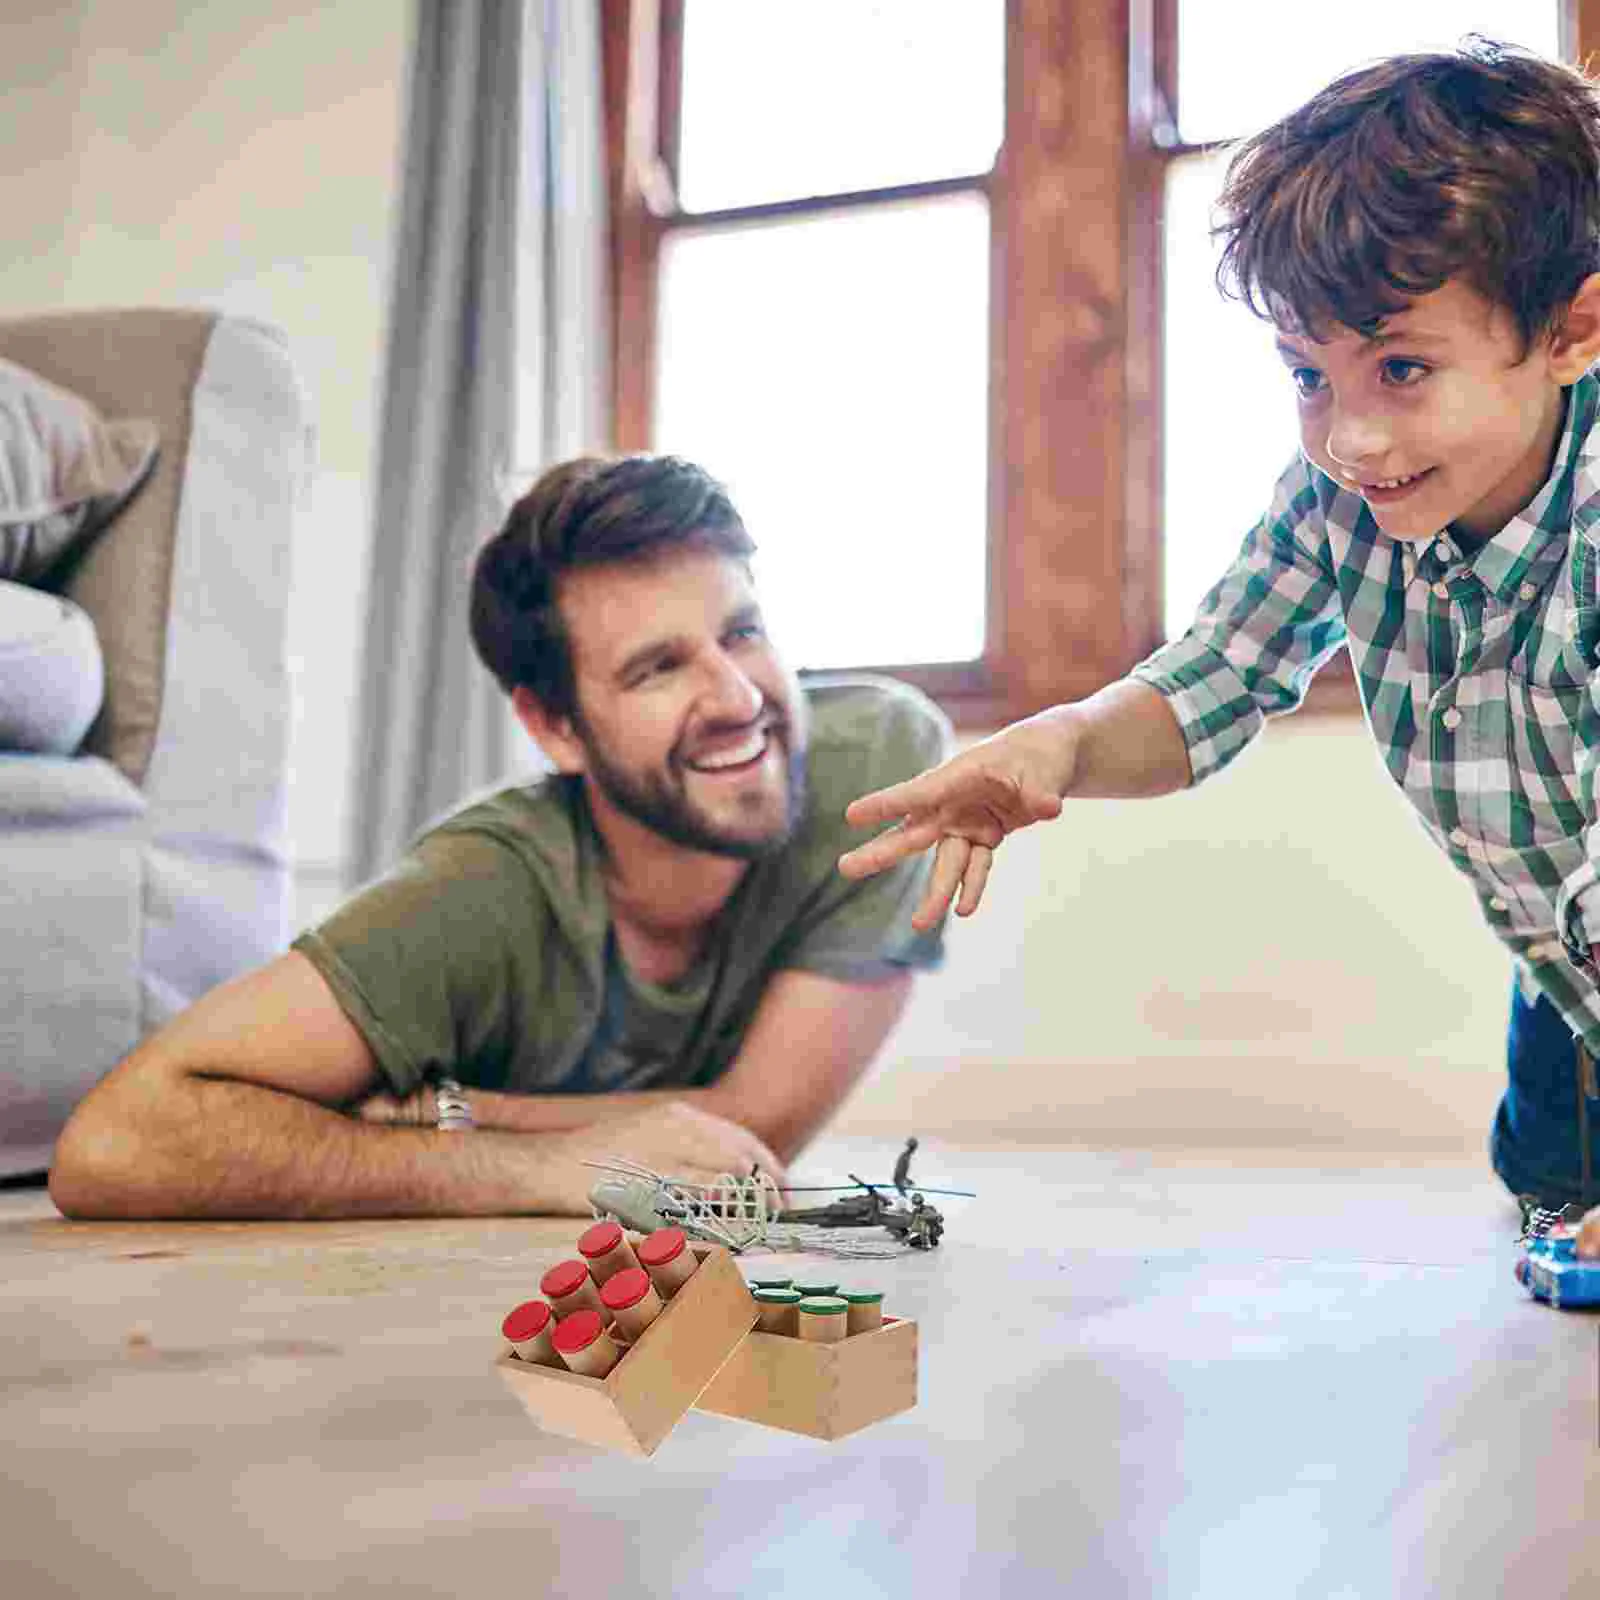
x=776 y=1310
x=568 y=1287
x=865 y=1309
x=583 y=1343
x=527 y=1329
x=823 y=1318
x=631 y=1299
x=605 y=1247
x=666 y=1256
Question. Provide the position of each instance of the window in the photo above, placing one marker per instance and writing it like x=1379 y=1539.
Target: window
x=805 y=243
x=899 y=271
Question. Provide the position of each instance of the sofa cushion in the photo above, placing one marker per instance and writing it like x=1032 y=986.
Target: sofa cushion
x=52 y=677
x=65 y=472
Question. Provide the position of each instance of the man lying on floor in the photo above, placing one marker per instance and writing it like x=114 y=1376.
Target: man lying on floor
x=648 y=953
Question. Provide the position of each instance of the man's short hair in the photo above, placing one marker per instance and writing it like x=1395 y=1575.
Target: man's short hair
x=1482 y=163
x=587 y=512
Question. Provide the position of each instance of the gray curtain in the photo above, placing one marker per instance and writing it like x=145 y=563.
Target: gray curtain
x=495 y=368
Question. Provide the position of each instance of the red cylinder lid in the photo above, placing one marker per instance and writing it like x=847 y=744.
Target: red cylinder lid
x=664 y=1245
x=600 y=1240
x=563 y=1278
x=625 y=1288
x=528 y=1321
x=576 y=1332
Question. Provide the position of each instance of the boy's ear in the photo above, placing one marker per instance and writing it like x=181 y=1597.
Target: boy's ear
x=554 y=735
x=1575 y=345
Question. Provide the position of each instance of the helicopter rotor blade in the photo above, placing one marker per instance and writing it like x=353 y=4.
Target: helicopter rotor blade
x=840 y=1188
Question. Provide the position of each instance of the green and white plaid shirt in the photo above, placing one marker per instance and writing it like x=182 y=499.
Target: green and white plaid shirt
x=1476 y=674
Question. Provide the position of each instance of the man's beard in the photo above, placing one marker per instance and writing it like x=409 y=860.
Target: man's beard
x=660 y=800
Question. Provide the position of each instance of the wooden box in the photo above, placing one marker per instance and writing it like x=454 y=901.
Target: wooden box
x=826 y=1390
x=636 y=1404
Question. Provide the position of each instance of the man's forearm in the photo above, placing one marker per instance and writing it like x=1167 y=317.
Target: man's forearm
x=215 y=1148
x=561 y=1113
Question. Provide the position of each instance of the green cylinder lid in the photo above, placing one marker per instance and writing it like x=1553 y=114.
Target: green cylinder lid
x=862 y=1297
x=823 y=1305
x=817 y=1288
x=777 y=1297
x=771 y=1283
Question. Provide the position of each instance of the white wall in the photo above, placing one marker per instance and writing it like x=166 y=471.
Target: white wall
x=241 y=155
x=1277 y=956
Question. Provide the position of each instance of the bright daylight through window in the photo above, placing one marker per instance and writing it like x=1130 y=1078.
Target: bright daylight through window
x=831 y=362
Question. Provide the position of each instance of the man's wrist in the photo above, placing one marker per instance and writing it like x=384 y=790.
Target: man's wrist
x=452 y=1108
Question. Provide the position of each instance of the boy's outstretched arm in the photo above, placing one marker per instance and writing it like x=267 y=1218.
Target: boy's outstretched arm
x=1121 y=743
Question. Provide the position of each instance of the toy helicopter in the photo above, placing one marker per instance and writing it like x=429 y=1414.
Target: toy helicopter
x=746 y=1212
x=914 y=1221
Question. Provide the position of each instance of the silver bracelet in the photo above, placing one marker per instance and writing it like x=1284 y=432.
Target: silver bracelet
x=453 y=1108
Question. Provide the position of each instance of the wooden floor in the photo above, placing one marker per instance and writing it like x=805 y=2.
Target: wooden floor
x=1142 y=1374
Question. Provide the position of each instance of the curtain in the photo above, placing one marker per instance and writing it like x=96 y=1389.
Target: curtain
x=495 y=368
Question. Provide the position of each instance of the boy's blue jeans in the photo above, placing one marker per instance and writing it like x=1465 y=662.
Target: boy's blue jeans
x=1536 y=1145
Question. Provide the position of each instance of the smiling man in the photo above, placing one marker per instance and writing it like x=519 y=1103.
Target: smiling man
x=646 y=954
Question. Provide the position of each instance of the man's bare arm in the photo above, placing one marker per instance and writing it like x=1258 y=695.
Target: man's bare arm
x=525 y=1113
x=808 y=1045
x=232 y=1111
x=811 y=1039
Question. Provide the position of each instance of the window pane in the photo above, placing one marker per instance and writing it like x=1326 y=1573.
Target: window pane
x=833 y=371
x=1230 y=425
x=809 y=97
x=1240 y=66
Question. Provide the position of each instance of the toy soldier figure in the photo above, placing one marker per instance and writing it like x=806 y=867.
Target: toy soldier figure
x=902 y=1166
x=924 y=1225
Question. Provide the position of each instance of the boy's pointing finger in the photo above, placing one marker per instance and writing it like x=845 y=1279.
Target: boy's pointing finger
x=883 y=805
x=894 y=845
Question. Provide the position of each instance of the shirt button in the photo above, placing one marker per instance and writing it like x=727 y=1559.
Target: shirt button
x=1451 y=718
x=1497 y=904
x=1458 y=837
x=1527 y=591
x=1442 y=589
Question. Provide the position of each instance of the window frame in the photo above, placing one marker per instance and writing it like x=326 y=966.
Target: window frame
x=1074 y=537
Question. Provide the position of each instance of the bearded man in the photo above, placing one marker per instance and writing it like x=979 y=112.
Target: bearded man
x=647 y=953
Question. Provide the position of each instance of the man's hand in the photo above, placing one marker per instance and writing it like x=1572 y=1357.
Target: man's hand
x=965 y=808
x=677 y=1139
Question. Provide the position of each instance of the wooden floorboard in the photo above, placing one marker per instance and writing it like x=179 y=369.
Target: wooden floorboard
x=1187 y=1375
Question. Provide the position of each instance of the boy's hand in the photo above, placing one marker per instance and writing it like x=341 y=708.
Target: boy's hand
x=1588 y=1242
x=965 y=808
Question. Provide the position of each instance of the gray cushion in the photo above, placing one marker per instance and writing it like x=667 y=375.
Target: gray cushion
x=65 y=472
x=52 y=678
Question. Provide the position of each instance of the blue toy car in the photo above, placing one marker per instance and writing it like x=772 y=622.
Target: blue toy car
x=1550 y=1270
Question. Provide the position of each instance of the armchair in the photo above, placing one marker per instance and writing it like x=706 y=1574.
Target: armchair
x=152 y=863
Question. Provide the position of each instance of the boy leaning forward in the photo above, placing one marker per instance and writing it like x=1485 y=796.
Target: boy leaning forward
x=1424 y=235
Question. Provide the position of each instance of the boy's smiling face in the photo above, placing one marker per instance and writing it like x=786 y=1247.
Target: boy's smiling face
x=1441 y=419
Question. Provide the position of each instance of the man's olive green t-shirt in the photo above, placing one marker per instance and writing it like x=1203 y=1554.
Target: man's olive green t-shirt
x=487 y=954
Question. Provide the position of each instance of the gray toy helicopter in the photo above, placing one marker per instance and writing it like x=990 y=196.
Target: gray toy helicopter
x=745 y=1212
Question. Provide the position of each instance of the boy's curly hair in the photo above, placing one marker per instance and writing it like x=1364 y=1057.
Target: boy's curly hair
x=1482 y=163
x=586 y=512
